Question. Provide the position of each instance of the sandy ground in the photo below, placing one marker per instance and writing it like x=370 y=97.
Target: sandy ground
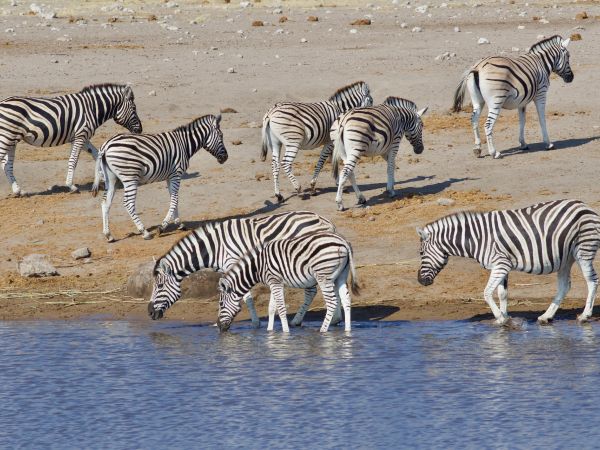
x=182 y=55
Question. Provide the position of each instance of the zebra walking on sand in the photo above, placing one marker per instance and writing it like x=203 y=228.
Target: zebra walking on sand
x=146 y=158
x=502 y=82
x=297 y=126
x=322 y=258
x=53 y=121
x=218 y=245
x=375 y=130
x=540 y=239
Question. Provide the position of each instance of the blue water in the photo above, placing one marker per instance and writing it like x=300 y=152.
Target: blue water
x=119 y=384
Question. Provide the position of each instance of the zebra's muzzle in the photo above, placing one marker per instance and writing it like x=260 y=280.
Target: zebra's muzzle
x=425 y=281
x=155 y=314
x=222 y=159
x=568 y=77
x=223 y=327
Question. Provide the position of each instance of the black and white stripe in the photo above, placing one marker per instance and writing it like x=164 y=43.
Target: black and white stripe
x=502 y=82
x=376 y=130
x=52 y=121
x=540 y=239
x=297 y=126
x=323 y=259
x=218 y=245
x=146 y=158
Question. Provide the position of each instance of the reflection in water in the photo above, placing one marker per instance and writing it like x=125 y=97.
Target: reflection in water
x=149 y=384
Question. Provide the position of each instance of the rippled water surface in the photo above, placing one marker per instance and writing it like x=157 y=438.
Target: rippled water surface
x=125 y=384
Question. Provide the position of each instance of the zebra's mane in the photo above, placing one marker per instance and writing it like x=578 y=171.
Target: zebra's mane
x=95 y=87
x=556 y=39
x=194 y=123
x=399 y=102
x=470 y=213
x=345 y=89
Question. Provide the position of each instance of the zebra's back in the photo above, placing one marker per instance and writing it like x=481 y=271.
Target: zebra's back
x=371 y=130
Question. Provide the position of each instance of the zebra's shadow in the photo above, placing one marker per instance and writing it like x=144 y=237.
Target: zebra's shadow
x=531 y=316
x=359 y=313
x=558 y=145
x=367 y=187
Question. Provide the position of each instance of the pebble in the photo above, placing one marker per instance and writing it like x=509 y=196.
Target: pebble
x=541 y=36
x=515 y=49
x=457 y=29
x=445 y=201
x=421 y=9
x=277 y=11
x=171 y=4
x=278 y=31
x=521 y=27
x=483 y=40
x=152 y=94
x=403 y=25
x=9 y=30
x=353 y=31
x=417 y=29
x=81 y=253
x=304 y=40
x=231 y=70
x=36 y=265
x=245 y=4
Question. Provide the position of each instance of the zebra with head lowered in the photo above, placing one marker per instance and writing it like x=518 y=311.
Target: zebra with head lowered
x=502 y=82
x=52 y=121
x=540 y=239
x=296 y=126
x=218 y=245
x=376 y=130
x=146 y=158
x=322 y=258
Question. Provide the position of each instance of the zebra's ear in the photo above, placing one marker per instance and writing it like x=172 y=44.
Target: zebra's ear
x=218 y=119
x=422 y=111
x=165 y=268
x=128 y=92
x=565 y=42
x=224 y=286
x=424 y=235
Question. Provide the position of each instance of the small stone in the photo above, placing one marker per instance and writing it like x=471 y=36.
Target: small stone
x=576 y=37
x=403 y=25
x=277 y=11
x=283 y=19
x=81 y=253
x=304 y=40
x=521 y=27
x=258 y=23
x=417 y=29
x=245 y=4
x=421 y=9
x=515 y=49
x=278 y=31
x=457 y=29
x=445 y=201
x=231 y=70
x=171 y=4
x=9 y=30
x=544 y=21
x=581 y=16
x=353 y=31
x=361 y=22
x=152 y=94
x=228 y=111
x=236 y=142
x=541 y=36
x=36 y=265
x=482 y=41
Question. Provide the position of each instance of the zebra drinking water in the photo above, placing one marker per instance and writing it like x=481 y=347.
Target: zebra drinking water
x=218 y=245
x=146 y=158
x=52 y=121
x=540 y=239
x=322 y=258
x=375 y=130
x=296 y=126
x=502 y=82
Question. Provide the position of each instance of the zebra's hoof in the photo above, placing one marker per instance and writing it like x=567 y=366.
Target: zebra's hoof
x=544 y=321
x=340 y=207
x=497 y=155
x=147 y=235
x=477 y=152
x=279 y=198
x=109 y=237
x=582 y=319
x=524 y=147
x=550 y=146
x=73 y=189
x=182 y=227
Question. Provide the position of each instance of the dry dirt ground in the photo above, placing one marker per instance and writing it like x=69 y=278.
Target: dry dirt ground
x=177 y=60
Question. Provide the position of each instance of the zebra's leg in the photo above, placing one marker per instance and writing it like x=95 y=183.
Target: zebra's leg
x=503 y=296
x=493 y=113
x=93 y=150
x=348 y=172
x=251 y=308
x=591 y=278
x=522 y=116
x=78 y=144
x=272 y=311
x=329 y=295
x=277 y=292
x=478 y=103
x=360 y=198
x=286 y=164
x=540 y=105
x=107 y=200
x=325 y=153
x=275 y=154
x=130 y=191
x=497 y=276
x=344 y=296
x=173 y=184
x=564 y=284
x=391 y=167
x=309 y=296
x=7 y=158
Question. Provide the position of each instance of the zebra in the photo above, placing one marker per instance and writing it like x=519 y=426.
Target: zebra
x=146 y=158
x=218 y=245
x=540 y=239
x=375 y=130
x=53 y=121
x=512 y=83
x=298 y=126
x=322 y=258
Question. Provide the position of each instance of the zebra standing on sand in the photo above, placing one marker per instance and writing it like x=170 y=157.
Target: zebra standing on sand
x=146 y=158
x=53 y=121
x=296 y=126
x=376 y=130
x=218 y=245
x=502 y=82
x=322 y=258
x=540 y=239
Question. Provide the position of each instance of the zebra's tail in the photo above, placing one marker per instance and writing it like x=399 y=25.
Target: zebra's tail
x=459 y=94
x=354 y=286
x=100 y=166
x=266 y=138
x=339 y=152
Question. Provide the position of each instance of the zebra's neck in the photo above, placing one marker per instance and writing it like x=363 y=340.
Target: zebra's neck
x=193 y=137
x=544 y=59
x=101 y=103
x=456 y=234
x=248 y=271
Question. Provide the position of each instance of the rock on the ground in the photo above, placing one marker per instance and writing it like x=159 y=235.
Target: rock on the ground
x=445 y=201
x=81 y=253
x=36 y=265
x=199 y=285
x=483 y=40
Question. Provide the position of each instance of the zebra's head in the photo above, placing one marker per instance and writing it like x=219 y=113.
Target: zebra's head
x=126 y=114
x=166 y=291
x=561 y=64
x=355 y=95
x=229 y=304
x=433 y=257
x=414 y=132
x=214 y=142
x=554 y=52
